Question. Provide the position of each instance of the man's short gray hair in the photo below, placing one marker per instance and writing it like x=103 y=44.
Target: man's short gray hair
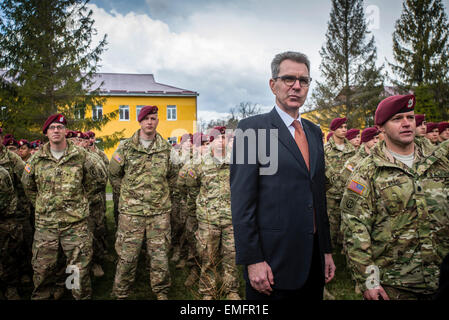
x=289 y=55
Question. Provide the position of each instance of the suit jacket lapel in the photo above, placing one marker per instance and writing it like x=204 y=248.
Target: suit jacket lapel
x=285 y=137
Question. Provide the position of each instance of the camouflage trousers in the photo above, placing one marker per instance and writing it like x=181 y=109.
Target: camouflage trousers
x=216 y=248
x=131 y=232
x=11 y=237
x=334 y=213
x=177 y=221
x=24 y=252
x=97 y=225
x=191 y=226
x=76 y=242
x=400 y=294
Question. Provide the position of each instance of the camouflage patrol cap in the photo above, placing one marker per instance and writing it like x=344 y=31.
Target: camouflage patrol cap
x=145 y=111
x=352 y=133
x=442 y=126
x=337 y=123
x=419 y=119
x=431 y=126
x=390 y=106
x=369 y=133
x=59 y=118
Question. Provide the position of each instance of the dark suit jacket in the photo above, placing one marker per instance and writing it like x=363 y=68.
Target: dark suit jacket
x=272 y=215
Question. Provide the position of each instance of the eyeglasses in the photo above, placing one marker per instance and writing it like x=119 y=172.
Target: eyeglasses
x=290 y=80
x=56 y=127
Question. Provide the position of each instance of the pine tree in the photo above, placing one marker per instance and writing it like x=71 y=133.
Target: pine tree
x=47 y=51
x=352 y=81
x=421 y=53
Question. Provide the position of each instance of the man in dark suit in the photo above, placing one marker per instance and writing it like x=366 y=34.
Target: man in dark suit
x=281 y=227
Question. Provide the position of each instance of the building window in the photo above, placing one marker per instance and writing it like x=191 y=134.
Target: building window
x=97 y=113
x=79 y=113
x=172 y=140
x=124 y=113
x=171 y=113
x=138 y=108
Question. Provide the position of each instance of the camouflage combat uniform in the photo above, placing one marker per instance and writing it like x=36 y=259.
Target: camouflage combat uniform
x=349 y=165
x=215 y=235
x=396 y=218
x=334 y=161
x=22 y=254
x=97 y=213
x=142 y=177
x=10 y=232
x=61 y=190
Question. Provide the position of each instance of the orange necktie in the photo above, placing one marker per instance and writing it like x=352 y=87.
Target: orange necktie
x=301 y=141
x=303 y=145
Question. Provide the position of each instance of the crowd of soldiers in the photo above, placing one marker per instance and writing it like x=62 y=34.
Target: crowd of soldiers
x=389 y=209
x=386 y=210
x=167 y=200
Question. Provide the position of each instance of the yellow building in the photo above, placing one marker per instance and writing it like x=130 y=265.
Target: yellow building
x=128 y=93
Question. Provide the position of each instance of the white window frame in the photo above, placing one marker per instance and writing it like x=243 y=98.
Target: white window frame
x=138 y=108
x=95 y=112
x=170 y=108
x=123 y=107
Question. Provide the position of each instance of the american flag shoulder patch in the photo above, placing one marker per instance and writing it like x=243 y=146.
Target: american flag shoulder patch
x=357 y=187
x=118 y=158
x=28 y=168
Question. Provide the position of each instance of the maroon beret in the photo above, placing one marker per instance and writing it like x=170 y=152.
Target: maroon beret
x=352 y=133
x=442 y=126
x=199 y=138
x=10 y=142
x=145 y=111
x=329 y=135
x=431 y=126
x=215 y=131
x=369 y=133
x=187 y=136
x=70 y=134
x=337 y=123
x=390 y=106
x=7 y=136
x=24 y=142
x=90 y=134
x=1 y=130
x=80 y=135
x=59 y=118
x=35 y=144
x=419 y=119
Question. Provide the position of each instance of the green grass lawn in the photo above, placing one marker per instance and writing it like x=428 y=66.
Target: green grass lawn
x=341 y=287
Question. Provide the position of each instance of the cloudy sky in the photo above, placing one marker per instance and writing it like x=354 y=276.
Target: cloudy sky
x=223 y=49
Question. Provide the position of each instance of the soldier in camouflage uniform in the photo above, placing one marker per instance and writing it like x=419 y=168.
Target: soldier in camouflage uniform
x=141 y=172
x=200 y=147
x=97 y=208
x=432 y=132
x=59 y=180
x=395 y=210
x=443 y=131
x=336 y=152
x=179 y=205
x=215 y=235
x=369 y=138
x=21 y=254
x=10 y=236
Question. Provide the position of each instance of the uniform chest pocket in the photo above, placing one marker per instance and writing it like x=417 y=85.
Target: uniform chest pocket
x=158 y=164
x=71 y=178
x=394 y=194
